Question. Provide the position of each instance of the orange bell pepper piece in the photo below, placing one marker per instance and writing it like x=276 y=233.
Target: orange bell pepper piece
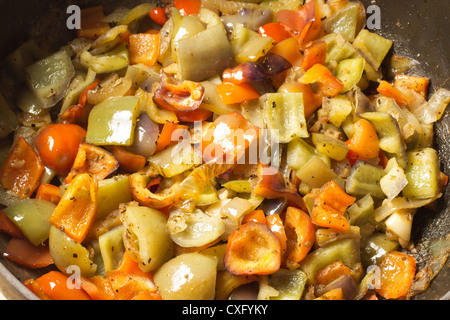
x=92 y=25
x=332 y=272
x=76 y=211
x=276 y=30
x=365 y=142
x=49 y=192
x=329 y=85
x=187 y=7
x=194 y=115
x=228 y=138
x=300 y=233
x=128 y=161
x=252 y=249
x=54 y=285
x=418 y=84
x=289 y=50
x=9 y=227
x=275 y=224
x=387 y=90
x=330 y=205
x=94 y=160
x=165 y=138
x=25 y=253
x=98 y=288
x=315 y=53
x=144 y=48
x=158 y=15
x=255 y=216
x=232 y=93
x=22 y=171
x=397 y=272
x=129 y=286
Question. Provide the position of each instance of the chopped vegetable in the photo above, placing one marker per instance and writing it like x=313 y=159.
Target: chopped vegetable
x=57 y=145
x=252 y=249
x=55 y=285
x=24 y=252
x=144 y=48
x=397 y=275
x=300 y=233
x=22 y=170
x=76 y=210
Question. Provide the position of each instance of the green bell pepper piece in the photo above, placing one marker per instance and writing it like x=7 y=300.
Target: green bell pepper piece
x=372 y=47
x=350 y=71
x=376 y=247
x=362 y=211
x=50 y=77
x=316 y=173
x=290 y=284
x=114 y=60
x=389 y=133
x=112 y=121
x=423 y=174
x=111 y=193
x=345 y=250
x=204 y=54
x=344 y=21
x=112 y=248
x=364 y=178
x=32 y=217
x=299 y=153
x=329 y=146
x=284 y=112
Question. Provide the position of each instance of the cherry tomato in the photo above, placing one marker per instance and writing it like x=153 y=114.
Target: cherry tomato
x=158 y=15
x=57 y=145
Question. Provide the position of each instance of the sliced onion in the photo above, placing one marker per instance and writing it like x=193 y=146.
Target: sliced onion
x=194 y=229
x=400 y=224
x=390 y=206
x=145 y=136
x=436 y=106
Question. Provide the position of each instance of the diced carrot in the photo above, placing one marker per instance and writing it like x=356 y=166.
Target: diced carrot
x=252 y=249
x=6 y=225
x=128 y=161
x=365 y=142
x=94 y=160
x=300 y=233
x=275 y=224
x=276 y=30
x=418 y=84
x=92 y=25
x=315 y=53
x=166 y=137
x=144 y=48
x=24 y=252
x=397 y=271
x=76 y=211
x=49 y=192
x=329 y=207
x=329 y=85
x=232 y=93
x=54 y=285
x=332 y=272
x=22 y=170
x=387 y=90
x=255 y=216
x=289 y=50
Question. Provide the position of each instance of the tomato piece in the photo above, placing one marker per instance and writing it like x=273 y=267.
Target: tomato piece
x=183 y=97
x=57 y=145
x=22 y=170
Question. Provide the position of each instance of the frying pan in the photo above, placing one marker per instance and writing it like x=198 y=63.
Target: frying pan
x=417 y=27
